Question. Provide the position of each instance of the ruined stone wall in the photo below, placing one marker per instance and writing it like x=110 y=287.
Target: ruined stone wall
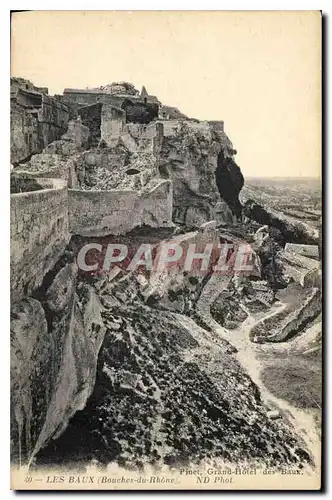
x=148 y=137
x=50 y=166
x=99 y=213
x=53 y=120
x=39 y=234
x=77 y=133
x=91 y=118
x=113 y=121
x=87 y=98
x=136 y=130
x=24 y=134
x=17 y=83
x=82 y=98
x=171 y=127
x=53 y=112
x=142 y=131
x=31 y=130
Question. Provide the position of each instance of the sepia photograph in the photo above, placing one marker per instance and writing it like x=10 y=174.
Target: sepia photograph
x=166 y=250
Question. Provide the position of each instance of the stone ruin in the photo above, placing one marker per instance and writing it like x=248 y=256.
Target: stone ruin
x=112 y=161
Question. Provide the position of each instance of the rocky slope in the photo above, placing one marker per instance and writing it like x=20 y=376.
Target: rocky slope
x=165 y=394
x=138 y=381
x=163 y=368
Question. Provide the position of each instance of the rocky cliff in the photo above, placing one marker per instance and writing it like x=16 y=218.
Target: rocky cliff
x=156 y=369
x=55 y=341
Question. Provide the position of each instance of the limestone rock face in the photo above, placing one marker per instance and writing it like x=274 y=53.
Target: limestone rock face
x=223 y=214
x=227 y=310
x=31 y=375
x=301 y=269
x=292 y=230
x=54 y=352
x=240 y=297
x=188 y=157
x=62 y=288
x=77 y=370
x=311 y=251
x=298 y=306
x=165 y=395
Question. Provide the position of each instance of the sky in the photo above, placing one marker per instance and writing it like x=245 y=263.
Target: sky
x=259 y=72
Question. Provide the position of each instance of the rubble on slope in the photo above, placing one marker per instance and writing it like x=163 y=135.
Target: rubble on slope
x=164 y=396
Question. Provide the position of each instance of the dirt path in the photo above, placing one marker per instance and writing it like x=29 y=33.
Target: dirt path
x=255 y=357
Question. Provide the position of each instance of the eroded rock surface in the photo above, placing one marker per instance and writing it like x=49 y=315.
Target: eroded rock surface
x=142 y=369
x=55 y=342
x=164 y=394
x=298 y=307
x=293 y=230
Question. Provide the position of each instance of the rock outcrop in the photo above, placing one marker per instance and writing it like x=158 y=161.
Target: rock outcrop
x=138 y=368
x=55 y=341
x=292 y=230
x=298 y=307
x=166 y=395
x=229 y=181
x=189 y=157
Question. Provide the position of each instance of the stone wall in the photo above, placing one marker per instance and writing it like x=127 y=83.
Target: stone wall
x=50 y=166
x=99 y=213
x=171 y=127
x=91 y=97
x=32 y=129
x=17 y=83
x=142 y=131
x=53 y=112
x=91 y=118
x=77 y=133
x=39 y=234
x=139 y=130
x=113 y=121
x=24 y=134
x=148 y=138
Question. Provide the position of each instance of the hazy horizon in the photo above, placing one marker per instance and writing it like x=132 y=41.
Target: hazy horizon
x=259 y=72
